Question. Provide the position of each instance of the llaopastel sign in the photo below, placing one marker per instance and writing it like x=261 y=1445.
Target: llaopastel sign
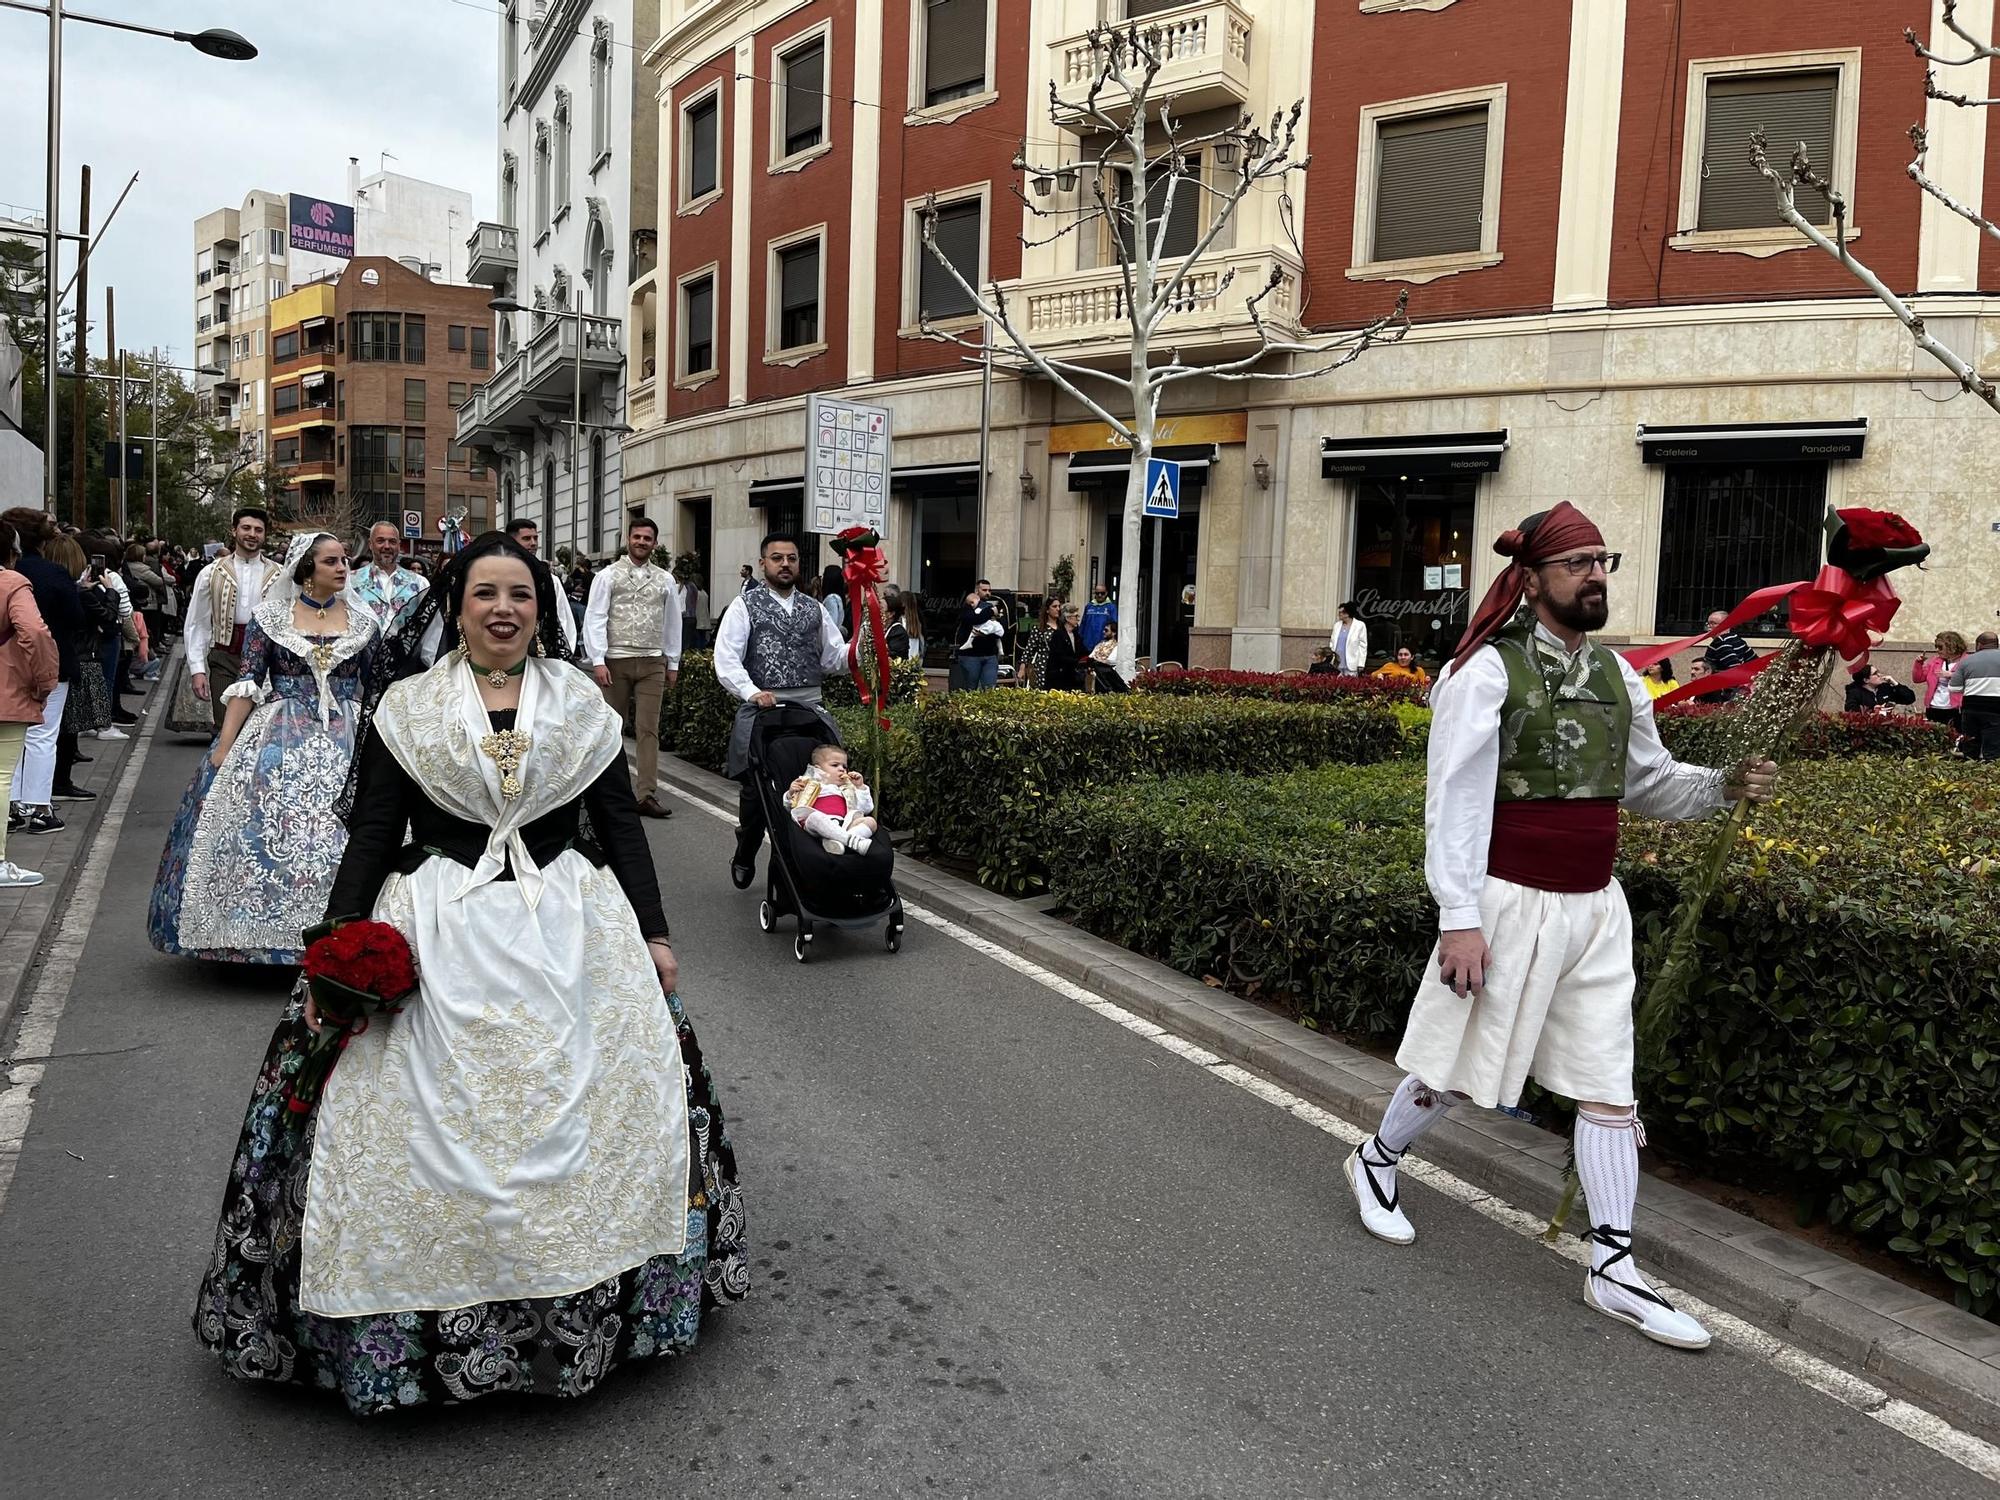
x=321 y=227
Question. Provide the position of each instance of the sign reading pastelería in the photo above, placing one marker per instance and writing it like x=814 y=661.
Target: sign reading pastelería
x=847 y=465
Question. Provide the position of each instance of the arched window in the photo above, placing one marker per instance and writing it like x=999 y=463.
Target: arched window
x=597 y=262
x=549 y=493
x=506 y=498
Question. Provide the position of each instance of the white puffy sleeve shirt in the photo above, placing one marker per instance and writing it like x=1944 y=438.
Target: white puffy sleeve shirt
x=1464 y=775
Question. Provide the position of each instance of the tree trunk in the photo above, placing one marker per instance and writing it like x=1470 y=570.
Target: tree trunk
x=1131 y=608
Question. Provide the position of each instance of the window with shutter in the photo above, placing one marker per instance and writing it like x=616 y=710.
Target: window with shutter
x=805 y=97
x=960 y=231
x=1789 y=108
x=954 y=49
x=704 y=169
x=1184 y=224
x=1430 y=184
x=698 y=325
x=1148 y=7
x=798 y=295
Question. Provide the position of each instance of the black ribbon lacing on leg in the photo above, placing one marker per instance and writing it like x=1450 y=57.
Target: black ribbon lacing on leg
x=1619 y=1242
x=1391 y=1200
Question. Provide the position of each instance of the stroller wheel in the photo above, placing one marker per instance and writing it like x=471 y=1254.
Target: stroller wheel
x=802 y=946
x=766 y=918
x=892 y=938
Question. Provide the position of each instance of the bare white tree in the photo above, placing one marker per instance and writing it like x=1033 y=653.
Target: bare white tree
x=1800 y=172
x=1139 y=170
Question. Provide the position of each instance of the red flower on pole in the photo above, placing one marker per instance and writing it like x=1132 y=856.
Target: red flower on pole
x=1869 y=529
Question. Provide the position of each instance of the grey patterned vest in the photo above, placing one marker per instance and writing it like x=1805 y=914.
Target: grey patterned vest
x=783 y=654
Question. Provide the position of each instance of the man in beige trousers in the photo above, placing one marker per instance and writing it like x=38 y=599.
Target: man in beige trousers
x=632 y=637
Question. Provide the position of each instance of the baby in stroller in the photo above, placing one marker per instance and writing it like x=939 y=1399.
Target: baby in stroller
x=833 y=803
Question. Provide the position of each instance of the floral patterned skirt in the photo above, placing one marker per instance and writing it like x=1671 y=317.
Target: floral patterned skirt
x=248 y=1310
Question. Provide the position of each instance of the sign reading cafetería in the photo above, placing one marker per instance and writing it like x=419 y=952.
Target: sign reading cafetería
x=321 y=227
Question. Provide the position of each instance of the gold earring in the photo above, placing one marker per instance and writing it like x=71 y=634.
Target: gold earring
x=540 y=649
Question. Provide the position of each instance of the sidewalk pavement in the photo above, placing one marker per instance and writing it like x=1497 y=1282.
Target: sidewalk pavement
x=1924 y=1349
x=28 y=914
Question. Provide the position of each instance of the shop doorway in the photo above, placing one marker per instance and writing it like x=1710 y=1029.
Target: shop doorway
x=1412 y=564
x=1179 y=549
x=694 y=535
x=944 y=513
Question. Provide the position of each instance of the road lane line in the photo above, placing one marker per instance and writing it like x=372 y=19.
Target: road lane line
x=43 y=1012
x=1809 y=1370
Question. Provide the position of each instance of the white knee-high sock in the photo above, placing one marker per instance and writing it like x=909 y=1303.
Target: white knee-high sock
x=1607 y=1164
x=1414 y=1108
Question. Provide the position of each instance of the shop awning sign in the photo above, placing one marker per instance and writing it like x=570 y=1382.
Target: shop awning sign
x=1163 y=489
x=1835 y=441
x=1426 y=455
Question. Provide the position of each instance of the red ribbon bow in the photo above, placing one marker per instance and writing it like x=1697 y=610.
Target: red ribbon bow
x=1834 y=612
x=865 y=566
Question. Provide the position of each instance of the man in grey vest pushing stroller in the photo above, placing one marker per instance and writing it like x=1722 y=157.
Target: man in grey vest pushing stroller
x=773 y=645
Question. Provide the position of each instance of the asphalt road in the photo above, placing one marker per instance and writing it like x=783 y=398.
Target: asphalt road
x=1002 y=1248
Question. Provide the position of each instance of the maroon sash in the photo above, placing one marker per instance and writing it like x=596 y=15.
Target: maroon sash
x=1555 y=844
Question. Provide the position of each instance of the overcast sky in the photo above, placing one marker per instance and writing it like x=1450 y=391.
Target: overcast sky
x=414 y=78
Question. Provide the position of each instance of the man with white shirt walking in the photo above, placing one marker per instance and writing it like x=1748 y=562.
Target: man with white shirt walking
x=632 y=638
x=773 y=645
x=225 y=596
x=1538 y=736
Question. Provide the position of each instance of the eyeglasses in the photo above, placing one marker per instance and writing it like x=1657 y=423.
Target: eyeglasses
x=1579 y=567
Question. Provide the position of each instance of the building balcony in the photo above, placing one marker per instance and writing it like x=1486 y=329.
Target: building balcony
x=1082 y=314
x=537 y=386
x=1204 y=53
x=493 y=255
x=310 y=471
x=641 y=405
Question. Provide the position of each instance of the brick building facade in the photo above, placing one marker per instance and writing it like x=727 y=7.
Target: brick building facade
x=367 y=375
x=1562 y=186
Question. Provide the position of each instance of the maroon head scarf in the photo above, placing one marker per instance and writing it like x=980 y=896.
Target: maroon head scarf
x=1541 y=538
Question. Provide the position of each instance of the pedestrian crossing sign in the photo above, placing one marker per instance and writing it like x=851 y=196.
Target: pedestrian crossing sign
x=1163 y=489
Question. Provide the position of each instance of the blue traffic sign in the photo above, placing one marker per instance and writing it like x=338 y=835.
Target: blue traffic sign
x=1163 y=489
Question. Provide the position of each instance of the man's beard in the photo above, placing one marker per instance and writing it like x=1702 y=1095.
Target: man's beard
x=1585 y=613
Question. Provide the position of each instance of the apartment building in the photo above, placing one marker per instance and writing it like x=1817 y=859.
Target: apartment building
x=578 y=176
x=367 y=373
x=1605 y=305
x=244 y=262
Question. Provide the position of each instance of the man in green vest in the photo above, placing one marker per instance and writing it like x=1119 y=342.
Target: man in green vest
x=1537 y=737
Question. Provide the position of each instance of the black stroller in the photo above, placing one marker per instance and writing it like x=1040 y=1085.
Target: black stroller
x=803 y=880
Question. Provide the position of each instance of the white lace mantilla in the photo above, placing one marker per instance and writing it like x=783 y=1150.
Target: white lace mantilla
x=521 y=1130
x=274 y=617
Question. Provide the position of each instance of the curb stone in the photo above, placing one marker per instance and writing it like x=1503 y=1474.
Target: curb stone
x=25 y=932
x=1907 y=1340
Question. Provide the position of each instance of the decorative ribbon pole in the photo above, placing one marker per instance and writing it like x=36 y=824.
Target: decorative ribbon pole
x=1845 y=610
x=866 y=568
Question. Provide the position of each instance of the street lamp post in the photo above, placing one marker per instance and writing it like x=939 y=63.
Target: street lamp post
x=215 y=42
x=576 y=425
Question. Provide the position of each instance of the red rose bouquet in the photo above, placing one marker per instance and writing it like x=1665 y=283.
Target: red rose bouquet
x=353 y=970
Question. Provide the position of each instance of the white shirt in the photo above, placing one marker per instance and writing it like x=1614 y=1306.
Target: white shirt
x=1465 y=776
x=117 y=582
x=732 y=639
x=597 y=620
x=252 y=579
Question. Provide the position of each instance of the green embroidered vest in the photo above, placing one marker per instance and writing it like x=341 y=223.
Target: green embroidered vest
x=1565 y=728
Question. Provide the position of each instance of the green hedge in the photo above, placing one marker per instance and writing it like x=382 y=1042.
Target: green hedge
x=1845 y=1034
x=993 y=764
x=1279 y=687
x=696 y=714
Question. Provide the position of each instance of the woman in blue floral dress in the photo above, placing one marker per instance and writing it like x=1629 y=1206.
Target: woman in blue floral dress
x=253 y=851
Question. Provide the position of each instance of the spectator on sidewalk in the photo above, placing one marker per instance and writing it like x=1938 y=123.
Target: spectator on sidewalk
x=1977 y=679
x=106 y=553
x=49 y=755
x=1404 y=668
x=982 y=621
x=1063 y=672
x=1659 y=678
x=1725 y=649
x=1104 y=675
x=1870 y=692
x=89 y=710
x=1097 y=614
x=1941 y=701
x=1035 y=654
x=1323 y=664
x=898 y=632
x=29 y=670
x=1350 y=640
x=150 y=590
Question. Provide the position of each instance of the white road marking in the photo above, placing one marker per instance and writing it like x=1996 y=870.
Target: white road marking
x=1809 y=1370
x=43 y=1013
